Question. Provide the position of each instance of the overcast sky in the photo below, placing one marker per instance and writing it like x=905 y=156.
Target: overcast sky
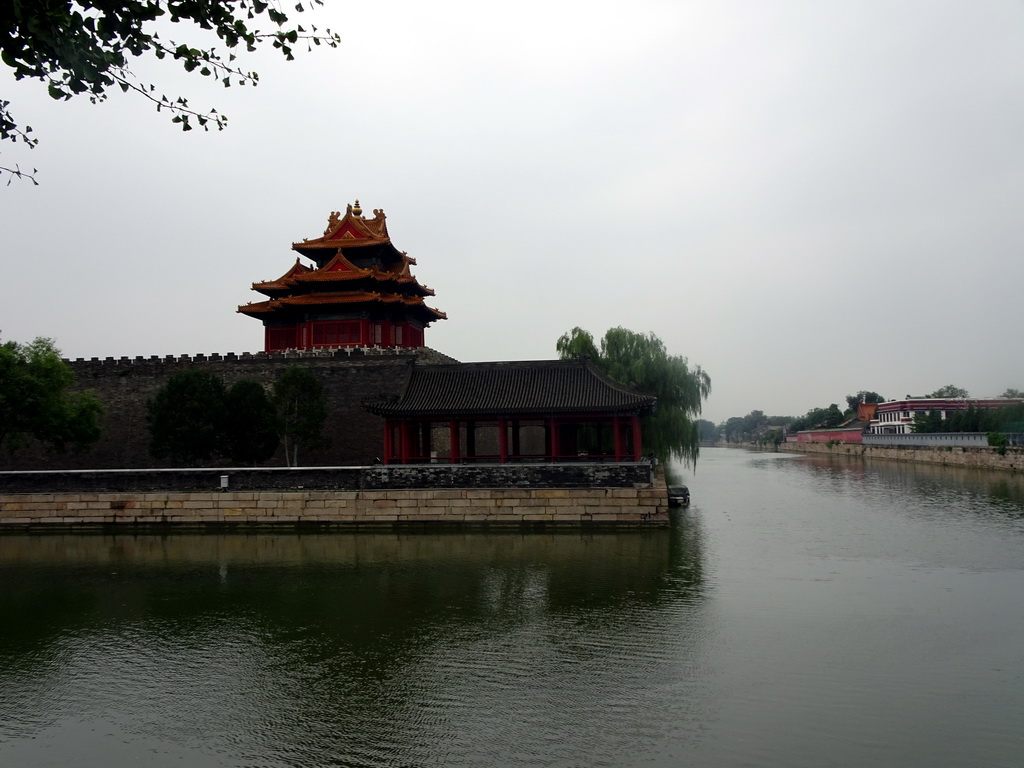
x=804 y=198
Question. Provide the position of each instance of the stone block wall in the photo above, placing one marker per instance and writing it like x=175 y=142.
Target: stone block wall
x=644 y=506
x=976 y=457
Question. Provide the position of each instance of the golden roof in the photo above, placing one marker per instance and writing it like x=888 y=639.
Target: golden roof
x=393 y=280
x=284 y=282
x=350 y=230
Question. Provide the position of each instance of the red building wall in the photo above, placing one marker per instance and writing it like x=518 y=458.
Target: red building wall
x=826 y=435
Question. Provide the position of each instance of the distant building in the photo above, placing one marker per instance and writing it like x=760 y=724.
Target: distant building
x=896 y=416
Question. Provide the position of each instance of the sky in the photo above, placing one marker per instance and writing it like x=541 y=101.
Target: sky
x=806 y=199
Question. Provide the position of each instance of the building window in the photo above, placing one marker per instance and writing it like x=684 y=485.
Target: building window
x=336 y=333
x=280 y=338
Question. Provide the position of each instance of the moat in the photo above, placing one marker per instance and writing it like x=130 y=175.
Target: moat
x=804 y=611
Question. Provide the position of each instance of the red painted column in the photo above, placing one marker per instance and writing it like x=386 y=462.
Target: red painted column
x=502 y=441
x=403 y=427
x=453 y=434
x=636 y=438
x=388 y=447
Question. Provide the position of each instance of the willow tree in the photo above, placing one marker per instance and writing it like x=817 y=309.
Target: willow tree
x=640 y=360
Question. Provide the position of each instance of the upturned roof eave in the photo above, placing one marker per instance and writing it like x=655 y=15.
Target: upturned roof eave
x=540 y=413
x=310 y=247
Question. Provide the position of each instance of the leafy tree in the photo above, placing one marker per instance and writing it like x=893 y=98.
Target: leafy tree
x=37 y=401
x=999 y=441
x=709 y=431
x=928 y=422
x=741 y=429
x=86 y=46
x=1011 y=392
x=773 y=436
x=950 y=391
x=755 y=427
x=302 y=411
x=250 y=424
x=641 y=360
x=818 y=418
x=186 y=418
x=833 y=416
x=733 y=429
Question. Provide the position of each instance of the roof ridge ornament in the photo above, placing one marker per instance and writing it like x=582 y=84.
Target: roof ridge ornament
x=332 y=222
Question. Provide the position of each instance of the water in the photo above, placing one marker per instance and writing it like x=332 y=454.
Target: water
x=803 y=612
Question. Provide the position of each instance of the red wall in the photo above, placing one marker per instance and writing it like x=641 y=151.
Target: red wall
x=357 y=333
x=824 y=435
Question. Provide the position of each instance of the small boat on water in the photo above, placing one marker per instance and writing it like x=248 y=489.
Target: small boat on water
x=678 y=496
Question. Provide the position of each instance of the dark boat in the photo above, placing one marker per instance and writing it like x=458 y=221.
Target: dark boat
x=678 y=496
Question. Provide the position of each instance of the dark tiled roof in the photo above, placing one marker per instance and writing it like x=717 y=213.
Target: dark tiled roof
x=510 y=388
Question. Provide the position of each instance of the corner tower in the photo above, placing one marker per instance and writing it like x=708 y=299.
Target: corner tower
x=358 y=291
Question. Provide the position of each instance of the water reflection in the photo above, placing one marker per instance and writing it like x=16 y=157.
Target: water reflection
x=369 y=649
x=1002 y=488
x=803 y=612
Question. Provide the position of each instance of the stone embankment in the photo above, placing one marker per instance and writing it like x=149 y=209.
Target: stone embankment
x=629 y=496
x=982 y=457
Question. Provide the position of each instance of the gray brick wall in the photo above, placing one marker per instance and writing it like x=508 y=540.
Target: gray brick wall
x=124 y=385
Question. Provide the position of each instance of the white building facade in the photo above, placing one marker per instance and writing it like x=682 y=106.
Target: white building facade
x=896 y=416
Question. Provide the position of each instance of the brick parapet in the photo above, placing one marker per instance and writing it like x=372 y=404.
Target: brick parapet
x=423 y=354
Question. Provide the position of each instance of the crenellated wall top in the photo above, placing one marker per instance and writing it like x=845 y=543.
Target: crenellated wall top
x=424 y=354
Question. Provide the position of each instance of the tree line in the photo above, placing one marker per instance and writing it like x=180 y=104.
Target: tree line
x=195 y=418
x=971 y=419
x=756 y=427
